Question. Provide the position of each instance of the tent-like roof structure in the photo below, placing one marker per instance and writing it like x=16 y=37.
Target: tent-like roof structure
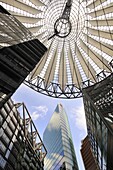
x=79 y=38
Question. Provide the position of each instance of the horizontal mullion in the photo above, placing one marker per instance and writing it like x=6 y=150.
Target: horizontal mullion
x=101 y=46
x=37 y=2
x=21 y=6
x=103 y=22
x=25 y=19
x=97 y=32
x=103 y=11
x=34 y=29
x=95 y=3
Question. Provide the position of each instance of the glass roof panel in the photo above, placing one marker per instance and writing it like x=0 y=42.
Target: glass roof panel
x=79 y=38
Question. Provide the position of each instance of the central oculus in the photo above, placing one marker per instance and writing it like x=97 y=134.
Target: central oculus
x=62 y=27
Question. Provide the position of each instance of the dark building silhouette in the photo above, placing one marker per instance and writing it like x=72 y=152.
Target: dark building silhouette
x=98 y=103
x=20 y=144
x=19 y=54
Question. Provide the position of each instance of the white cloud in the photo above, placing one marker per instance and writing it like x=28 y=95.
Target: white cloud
x=40 y=112
x=78 y=115
x=35 y=115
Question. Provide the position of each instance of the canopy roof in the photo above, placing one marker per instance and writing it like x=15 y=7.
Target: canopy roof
x=80 y=58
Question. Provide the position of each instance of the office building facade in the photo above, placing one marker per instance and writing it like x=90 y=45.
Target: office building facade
x=58 y=141
x=20 y=143
x=19 y=54
x=88 y=157
x=98 y=103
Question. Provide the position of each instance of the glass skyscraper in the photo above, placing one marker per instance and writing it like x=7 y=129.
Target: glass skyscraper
x=58 y=141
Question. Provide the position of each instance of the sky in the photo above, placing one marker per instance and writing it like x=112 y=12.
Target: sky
x=41 y=108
